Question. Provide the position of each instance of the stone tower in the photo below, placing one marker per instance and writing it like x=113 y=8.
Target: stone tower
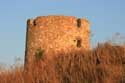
x=55 y=34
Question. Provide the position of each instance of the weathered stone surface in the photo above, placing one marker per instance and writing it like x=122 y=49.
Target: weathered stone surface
x=54 y=34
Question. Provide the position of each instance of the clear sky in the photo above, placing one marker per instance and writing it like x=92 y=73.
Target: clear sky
x=106 y=17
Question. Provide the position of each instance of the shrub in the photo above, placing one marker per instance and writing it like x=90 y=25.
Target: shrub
x=39 y=54
x=104 y=64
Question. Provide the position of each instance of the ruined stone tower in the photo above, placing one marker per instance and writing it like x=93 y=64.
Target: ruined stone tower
x=54 y=34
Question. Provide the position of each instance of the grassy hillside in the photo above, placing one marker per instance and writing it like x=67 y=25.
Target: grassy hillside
x=104 y=64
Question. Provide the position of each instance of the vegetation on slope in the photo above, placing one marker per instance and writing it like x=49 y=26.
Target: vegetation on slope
x=104 y=64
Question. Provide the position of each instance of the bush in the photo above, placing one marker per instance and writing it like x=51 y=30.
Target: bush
x=39 y=54
x=104 y=64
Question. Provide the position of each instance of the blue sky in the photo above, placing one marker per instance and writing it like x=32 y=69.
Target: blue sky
x=106 y=17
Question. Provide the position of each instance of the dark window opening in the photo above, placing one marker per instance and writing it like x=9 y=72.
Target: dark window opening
x=34 y=23
x=78 y=43
x=78 y=23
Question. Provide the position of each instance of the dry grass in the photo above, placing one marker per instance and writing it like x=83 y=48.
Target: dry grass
x=104 y=64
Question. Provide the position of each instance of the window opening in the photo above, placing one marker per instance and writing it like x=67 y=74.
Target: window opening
x=78 y=23
x=78 y=43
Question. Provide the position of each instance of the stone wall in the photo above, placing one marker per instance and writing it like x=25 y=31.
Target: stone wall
x=54 y=34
